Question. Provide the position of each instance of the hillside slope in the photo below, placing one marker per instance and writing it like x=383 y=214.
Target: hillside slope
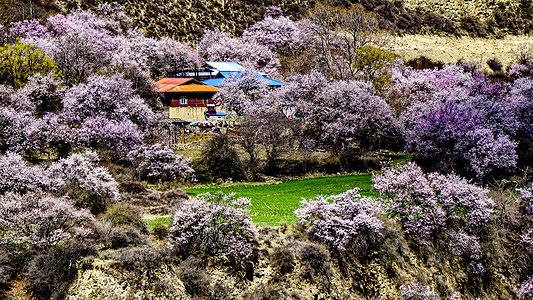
x=188 y=19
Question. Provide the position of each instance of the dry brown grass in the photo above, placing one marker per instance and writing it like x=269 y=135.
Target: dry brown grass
x=452 y=49
x=458 y=9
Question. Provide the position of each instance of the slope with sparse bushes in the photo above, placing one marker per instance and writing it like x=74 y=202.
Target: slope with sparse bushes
x=188 y=19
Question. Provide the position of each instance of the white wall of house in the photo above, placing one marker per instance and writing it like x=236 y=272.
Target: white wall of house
x=190 y=113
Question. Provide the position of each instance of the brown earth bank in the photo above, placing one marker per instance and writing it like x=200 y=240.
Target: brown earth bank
x=287 y=266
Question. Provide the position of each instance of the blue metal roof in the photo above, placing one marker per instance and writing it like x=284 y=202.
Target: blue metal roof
x=233 y=69
x=217 y=114
x=214 y=82
x=217 y=82
x=225 y=66
x=228 y=74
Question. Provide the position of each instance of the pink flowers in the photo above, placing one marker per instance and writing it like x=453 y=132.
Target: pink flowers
x=434 y=206
x=216 y=225
x=37 y=222
x=220 y=46
x=158 y=163
x=347 y=221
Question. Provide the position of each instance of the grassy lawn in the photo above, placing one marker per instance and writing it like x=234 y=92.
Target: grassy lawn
x=275 y=202
x=154 y=221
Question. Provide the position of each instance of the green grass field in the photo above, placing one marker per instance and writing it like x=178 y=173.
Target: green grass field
x=272 y=203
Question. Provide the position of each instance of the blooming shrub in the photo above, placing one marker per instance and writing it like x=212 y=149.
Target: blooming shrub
x=455 y=296
x=279 y=33
x=77 y=177
x=450 y=137
x=467 y=246
x=116 y=136
x=240 y=91
x=36 y=221
x=266 y=125
x=350 y=117
x=457 y=119
x=519 y=99
x=17 y=176
x=220 y=46
x=215 y=225
x=109 y=97
x=527 y=238
x=430 y=205
x=27 y=135
x=80 y=178
x=171 y=56
x=40 y=95
x=417 y=291
x=525 y=291
x=345 y=222
x=159 y=163
x=526 y=203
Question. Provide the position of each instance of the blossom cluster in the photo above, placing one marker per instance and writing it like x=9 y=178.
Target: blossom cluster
x=220 y=46
x=432 y=206
x=525 y=291
x=457 y=119
x=77 y=177
x=36 y=221
x=158 y=162
x=347 y=221
x=216 y=225
x=417 y=291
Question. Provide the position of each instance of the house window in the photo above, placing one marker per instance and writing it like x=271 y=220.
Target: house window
x=184 y=101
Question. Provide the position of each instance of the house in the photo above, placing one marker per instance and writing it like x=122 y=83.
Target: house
x=190 y=97
x=187 y=98
x=185 y=92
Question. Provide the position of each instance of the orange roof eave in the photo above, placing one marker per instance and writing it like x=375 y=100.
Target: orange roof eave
x=174 y=81
x=194 y=88
x=164 y=87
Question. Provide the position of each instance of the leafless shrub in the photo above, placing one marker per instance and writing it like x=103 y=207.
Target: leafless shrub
x=314 y=259
x=282 y=259
x=51 y=272
x=192 y=274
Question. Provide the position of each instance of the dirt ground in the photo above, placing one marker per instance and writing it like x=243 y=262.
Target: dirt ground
x=452 y=49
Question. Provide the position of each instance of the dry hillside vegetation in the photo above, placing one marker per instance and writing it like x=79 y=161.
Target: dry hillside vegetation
x=459 y=9
x=452 y=49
